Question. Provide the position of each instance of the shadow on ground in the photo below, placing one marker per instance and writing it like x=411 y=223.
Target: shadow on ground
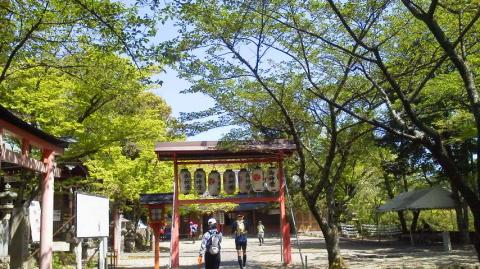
x=358 y=253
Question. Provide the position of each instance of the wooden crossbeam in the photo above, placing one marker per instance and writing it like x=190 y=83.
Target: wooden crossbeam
x=17 y=158
x=238 y=200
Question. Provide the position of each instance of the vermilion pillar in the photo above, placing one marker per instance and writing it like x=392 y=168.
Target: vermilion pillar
x=25 y=148
x=175 y=240
x=117 y=234
x=46 y=222
x=284 y=226
x=156 y=235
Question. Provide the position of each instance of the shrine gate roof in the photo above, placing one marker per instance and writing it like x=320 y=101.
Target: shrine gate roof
x=156 y=198
x=17 y=123
x=221 y=150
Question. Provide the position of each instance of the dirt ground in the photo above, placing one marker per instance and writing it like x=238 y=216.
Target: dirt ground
x=356 y=252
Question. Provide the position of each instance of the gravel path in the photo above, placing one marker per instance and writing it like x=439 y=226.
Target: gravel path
x=357 y=253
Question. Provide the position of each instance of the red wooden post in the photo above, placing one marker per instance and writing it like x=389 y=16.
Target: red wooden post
x=117 y=234
x=284 y=226
x=156 y=225
x=156 y=235
x=25 y=148
x=46 y=223
x=175 y=240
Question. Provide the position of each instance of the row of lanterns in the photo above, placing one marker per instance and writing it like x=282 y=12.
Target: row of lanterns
x=247 y=181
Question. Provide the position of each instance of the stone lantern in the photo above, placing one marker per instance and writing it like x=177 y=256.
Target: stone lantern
x=6 y=207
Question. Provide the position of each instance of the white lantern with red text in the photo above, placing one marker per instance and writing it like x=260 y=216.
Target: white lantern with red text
x=229 y=181
x=273 y=184
x=185 y=181
x=258 y=181
x=199 y=181
x=244 y=182
x=214 y=183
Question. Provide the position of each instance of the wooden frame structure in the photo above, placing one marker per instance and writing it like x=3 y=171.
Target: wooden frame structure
x=50 y=146
x=217 y=152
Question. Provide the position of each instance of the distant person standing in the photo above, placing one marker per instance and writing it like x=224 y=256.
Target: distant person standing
x=211 y=246
x=193 y=230
x=162 y=232
x=260 y=232
x=240 y=231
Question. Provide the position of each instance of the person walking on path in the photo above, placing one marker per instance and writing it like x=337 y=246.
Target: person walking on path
x=211 y=246
x=193 y=231
x=260 y=232
x=240 y=231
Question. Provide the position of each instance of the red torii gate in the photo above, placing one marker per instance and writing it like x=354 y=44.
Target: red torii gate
x=50 y=146
x=218 y=152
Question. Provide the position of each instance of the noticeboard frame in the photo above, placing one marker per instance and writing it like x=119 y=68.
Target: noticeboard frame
x=98 y=214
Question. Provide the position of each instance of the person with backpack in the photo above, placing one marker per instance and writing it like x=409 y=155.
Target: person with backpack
x=211 y=246
x=240 y=231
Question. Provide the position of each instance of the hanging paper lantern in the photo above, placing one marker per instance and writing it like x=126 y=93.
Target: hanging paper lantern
x=229 y=181
x=258 y=180
x=199 y=181
x=244 y=183
x=185 y=181
x=273 y=184
x=214 y=183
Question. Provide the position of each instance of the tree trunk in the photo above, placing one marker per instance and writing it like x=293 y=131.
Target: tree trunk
x=330 y=232
x=458 y=182
x=476 y=237
x=403 y=222
x=20 y=233
x=465 y=222
x=405 y=182
x=401 y=214
x=335 y=259
x=413 y=226
x=461 y=216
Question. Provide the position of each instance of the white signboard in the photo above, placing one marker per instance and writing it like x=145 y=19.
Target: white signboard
x=60 y=246
x=92 y=216
x=56 y=215
x=220 y=216
x=34 y=214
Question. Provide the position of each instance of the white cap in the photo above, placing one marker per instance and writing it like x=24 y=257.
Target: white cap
x=212 y=221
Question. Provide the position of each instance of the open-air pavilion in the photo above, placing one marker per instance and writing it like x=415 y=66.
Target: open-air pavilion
x=422 y=199
x=221 y=153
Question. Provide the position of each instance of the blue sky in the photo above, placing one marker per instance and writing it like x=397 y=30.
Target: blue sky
x=170 y=91
x=173 y=85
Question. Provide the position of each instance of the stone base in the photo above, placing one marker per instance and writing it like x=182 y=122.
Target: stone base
x=5 y=262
